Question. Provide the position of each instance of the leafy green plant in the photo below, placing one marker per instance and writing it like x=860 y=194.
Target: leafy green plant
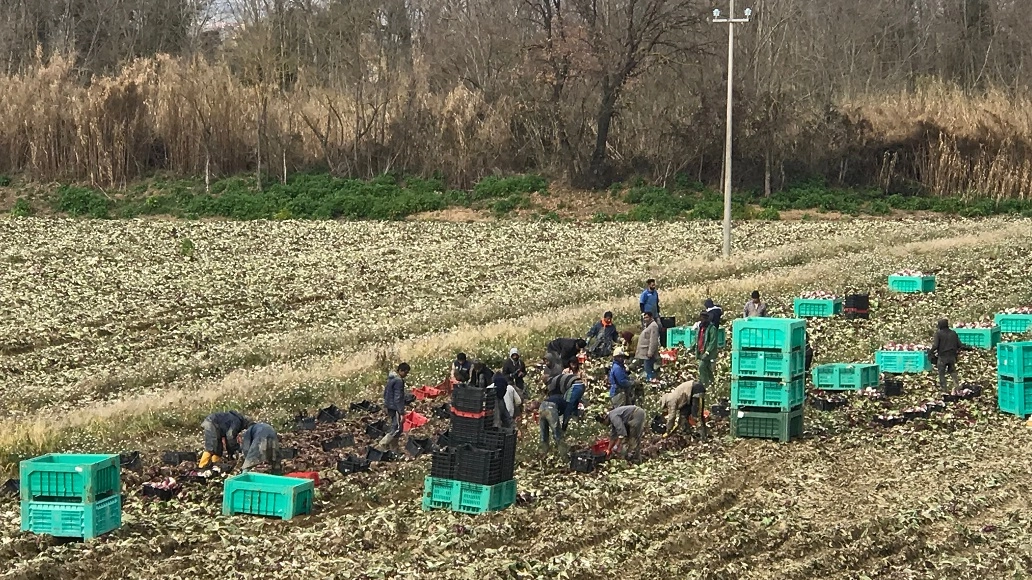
x=186 y=248
x=5 y=181
x=769 y=214
x=21 y=208
x=82 y=202
x=494 y=187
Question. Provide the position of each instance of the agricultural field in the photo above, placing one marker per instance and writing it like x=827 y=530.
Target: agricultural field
x=123 y=335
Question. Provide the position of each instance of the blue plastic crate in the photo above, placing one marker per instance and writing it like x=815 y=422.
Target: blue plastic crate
x=762 y=424
x=984 y=338
x=72 y=520
x=1014 y=396
x=70 y=477
x=783 y=334
x=784 y=366
x=903 y=361
x=267 y=495
x=470 y=498
x=845 y=376
x=1014 y=359
x=816 y=308
x=1013 y=323
x=911 y=284
x=775 y=395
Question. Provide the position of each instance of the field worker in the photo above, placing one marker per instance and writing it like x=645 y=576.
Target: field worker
x=219 y=428
x=755 y=306
x=621 y=387
x=516 y=369
x=394 y=402
x=572 y=398
x=260 y=443
x=706 y=349
x=562 y=383
x=680 y=403
x=565 y=349
x=549 y=369
x=482 y=375
x=508 y=401
x=648 y=346
x=626 y=423
x=602 y=336
x=808 y=359
x=548 y=420
x=461 y=368
x=649 y=299
x=946 y=347
x=715 y=311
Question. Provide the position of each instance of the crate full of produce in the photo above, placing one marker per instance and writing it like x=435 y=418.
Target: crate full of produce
x=817 y=304
x=983 y=335
x=1014 y=320
x=911 y=282
x=899 y=358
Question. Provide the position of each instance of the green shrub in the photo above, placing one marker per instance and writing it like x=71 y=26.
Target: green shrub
x=21 y=208
x=601 y=217
x=769 y=214
x=5 y=181
x=493 y=187
x=505 y=206
x=82 y=202
x=186 y=248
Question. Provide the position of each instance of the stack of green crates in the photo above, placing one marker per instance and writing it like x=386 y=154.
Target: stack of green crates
x=71 y=496
x=1014 y=378
x=768 y=384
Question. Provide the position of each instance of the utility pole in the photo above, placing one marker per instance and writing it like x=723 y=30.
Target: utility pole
x=730 y=20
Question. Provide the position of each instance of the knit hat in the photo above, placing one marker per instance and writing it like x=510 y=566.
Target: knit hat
x=513 y=351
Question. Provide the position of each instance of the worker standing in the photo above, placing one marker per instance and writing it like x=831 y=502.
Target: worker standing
x=945 y=347
x=649 y=300
x=260 y=443
x=219 y=428
x=648 y=346
x=394 y=402
x=621 y=387
x=516 y=370
x=706 y=349
x=627 y=423
x=755 y=306
x=715 y=311
x=549 y=412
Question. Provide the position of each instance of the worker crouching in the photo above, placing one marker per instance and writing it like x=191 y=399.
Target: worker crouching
x=220 y=435
x=260 y=443
x=626 y=425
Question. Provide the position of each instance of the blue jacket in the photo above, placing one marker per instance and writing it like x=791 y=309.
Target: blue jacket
x=649 y=301
x=618 y=379
x=394 y=393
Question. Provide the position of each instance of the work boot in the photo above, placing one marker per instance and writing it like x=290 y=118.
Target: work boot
x=205 y=459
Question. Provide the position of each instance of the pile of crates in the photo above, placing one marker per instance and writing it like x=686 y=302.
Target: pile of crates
x=768 y=384
x=1014 y=378
x=71 y=496
x=857 y=307
x=474 y=472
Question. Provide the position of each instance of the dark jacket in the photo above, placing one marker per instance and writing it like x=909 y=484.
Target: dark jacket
x=514 y=369
x=603 y=332
x=483 y=378
x=946 y=345
x=567 y=349
x=394 y=393
x=462 y=370
x=254 y=435
x=229 y=424
x=602 y=339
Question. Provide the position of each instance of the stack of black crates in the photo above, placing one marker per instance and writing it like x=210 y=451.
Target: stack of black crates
x=476 y=451
x=857 y=306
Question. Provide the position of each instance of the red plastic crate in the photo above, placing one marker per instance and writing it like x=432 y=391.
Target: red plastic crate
x=313 y=475
x=426 y=392
x=668 y=356
x=601 y=446
x=413 y=420
x=470 y=414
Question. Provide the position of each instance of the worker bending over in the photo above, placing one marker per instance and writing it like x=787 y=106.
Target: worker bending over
x=626 y=425
x=260 y=443
x=681 y=402
x=221 y=429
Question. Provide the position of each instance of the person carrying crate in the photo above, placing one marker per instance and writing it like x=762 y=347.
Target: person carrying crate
x=260 y=443
x=706 y=349
x=626 y=425
x=221 y=429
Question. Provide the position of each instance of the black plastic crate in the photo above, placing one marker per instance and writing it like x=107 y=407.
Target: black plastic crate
x=304 y=423
x=287 y=453
x=582 y=461
x=464 y=430
x=472 y=399
x=131 y=461
x=12 y=487
x=376 y=429
x=892 y=387
x=338 y=442
x=374 y=454
x=352 y=464
x=658 y=424
x=481 y=466
x=418 y=446
x=859 y=301
x=442 y=463
x=365 y=407
x=161 y=494
x=330 y=414
x=177 y=457
x=444 y=439
x=442 y=412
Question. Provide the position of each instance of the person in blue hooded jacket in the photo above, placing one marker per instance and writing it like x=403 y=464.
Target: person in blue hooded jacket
x=394 y=403
x=621 y=386
x=649 y=299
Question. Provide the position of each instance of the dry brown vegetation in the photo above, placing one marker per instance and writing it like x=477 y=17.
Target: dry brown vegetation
x=930 y=95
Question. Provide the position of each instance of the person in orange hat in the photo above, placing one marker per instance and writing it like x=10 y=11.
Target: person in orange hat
x=602 y=336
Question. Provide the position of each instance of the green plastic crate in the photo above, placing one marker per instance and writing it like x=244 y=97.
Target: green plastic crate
x=1014 y=359
x=1014 y=396
x=985 y=338
x=267 y=495
x=816 y=308
x=845 y=376
x=784 y=334
x=465 y=497
x=70 y=477
x=902 y=361
x=1013 y=323
x=911 y=284
x=72 y=520
x=785 y=366
x=758 y=424
x=774 y=394
x=687 y=335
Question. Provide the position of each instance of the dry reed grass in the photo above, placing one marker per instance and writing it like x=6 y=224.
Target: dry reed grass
x=821 y=263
